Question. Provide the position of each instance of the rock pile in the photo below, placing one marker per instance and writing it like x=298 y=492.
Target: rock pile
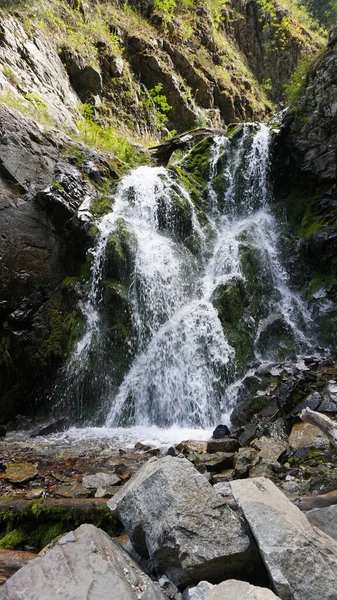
x=194 y=539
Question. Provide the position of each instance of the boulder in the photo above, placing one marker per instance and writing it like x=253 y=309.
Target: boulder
x=198 y=592
x=172 y=515
x=239 y=590
x=324 y=518
x=305 y=435
x=85 y=564
x=301 y=560
x=223 y=445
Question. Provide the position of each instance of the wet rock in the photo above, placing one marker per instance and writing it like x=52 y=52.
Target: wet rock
x=85 y=564
x=222 y=445
x=301 y=560
x=54 y=427
x=198 y=592
x=248 y=434
x=235 y=590
x=173 y=515
x=100 y=480
x=312 y=401
x=20 y=472
x=3 y=431
x=305 y=435
x=220 y=432
x=329 y=403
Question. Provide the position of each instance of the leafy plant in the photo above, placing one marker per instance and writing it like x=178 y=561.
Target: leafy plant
x=160 y=102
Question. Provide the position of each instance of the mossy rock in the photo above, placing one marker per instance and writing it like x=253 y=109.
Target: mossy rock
x=276 y=339
x=175 y=215
x=119 y=254
x=38 y=523
x=232 y=304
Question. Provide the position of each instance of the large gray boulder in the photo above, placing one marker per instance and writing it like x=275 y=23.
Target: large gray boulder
x=86 y=564
x=172 y=515
x=239 y=590
x=301 y=560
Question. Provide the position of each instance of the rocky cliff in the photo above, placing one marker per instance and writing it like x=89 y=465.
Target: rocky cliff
x=93 y=72
x=305 y=163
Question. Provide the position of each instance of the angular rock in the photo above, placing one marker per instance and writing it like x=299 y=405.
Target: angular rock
x=270 y=449
x=329 y=403
x=100 y=480
x=214 y=463
x=198 y=592
x=197 y=446
x=244 y=460
x=173 y=515
x=20 y=472
x=85 y=564
x=239 y=590
x=324 y=518
x=312 y=401
x=223 y=445
x=301 y=560
x=305 y=435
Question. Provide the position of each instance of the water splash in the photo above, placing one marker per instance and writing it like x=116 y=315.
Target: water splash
x=184 y=370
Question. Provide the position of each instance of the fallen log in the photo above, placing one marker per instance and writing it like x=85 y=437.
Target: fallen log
x=326 y=425
x=305 y=503
x=162 y=152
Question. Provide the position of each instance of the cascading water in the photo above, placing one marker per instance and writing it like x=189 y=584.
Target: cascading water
x=181 y=267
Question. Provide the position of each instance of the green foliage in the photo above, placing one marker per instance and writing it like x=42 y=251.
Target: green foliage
x=200 y=121
x=10 y=75
x=160 y=102
x=12 y=539
x=295 y=88
x=65 y=330
x=166 y=7
x=324 y=11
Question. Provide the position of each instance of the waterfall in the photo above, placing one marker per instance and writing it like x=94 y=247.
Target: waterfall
x=186 y=275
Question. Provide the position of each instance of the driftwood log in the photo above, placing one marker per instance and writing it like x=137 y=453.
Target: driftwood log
x=326 y=425
x=162 y=152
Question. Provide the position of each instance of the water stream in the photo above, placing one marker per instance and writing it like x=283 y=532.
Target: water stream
x=181 y=356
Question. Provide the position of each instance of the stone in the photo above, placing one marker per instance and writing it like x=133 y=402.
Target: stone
x=223 y=488
x=214 y=463
x=324 y=518
x=244 y=460
x=329 y=403
x=270 y=449
x=100 y=480
x=300 y=559
x=189 y=446
x=223 y=477
x=198 y=592
x=54 y=427
x=85 y=564
x=173 y=515
x=312 y=401
x=220 y=432
x=305 y=435
x=239 y=590
x=222 y=445
x=20 y=472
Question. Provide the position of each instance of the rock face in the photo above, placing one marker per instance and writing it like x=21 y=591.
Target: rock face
x=301 y=560
x=233 y=590
x=34 y=67
x=173 y=516
x=83 y=565
x=45 y=194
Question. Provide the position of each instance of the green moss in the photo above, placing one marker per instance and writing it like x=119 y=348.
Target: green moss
x=13 y=539
x=39 y=523
x=65 y=330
